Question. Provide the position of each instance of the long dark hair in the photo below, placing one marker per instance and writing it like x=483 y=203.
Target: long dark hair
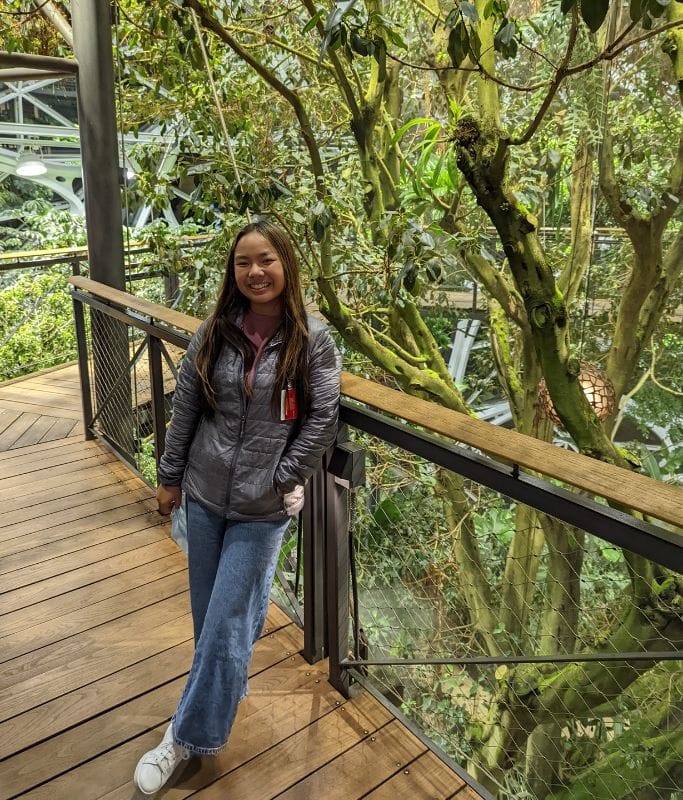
x=292 y=364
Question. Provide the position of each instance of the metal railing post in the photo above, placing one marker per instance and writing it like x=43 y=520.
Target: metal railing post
x=337 y=582
x=156 y=381
x=83 y=370
x=314 y=568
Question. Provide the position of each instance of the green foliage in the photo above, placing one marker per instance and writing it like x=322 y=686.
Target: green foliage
x=36 y=324
x=15 y=191
x=442 y=327
x=146 y=460
x=43 y=227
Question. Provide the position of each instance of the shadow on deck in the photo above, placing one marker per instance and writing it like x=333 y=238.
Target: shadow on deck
x=96 y=640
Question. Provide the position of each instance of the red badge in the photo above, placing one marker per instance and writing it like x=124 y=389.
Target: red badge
x=289 y=407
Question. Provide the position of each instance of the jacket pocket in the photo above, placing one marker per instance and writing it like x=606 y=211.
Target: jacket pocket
x=256 y=496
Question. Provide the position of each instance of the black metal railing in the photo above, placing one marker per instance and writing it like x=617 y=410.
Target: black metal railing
x=529 y=634
x=530 y=631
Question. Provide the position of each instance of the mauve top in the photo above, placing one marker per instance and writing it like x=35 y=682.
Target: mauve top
x=259 y=329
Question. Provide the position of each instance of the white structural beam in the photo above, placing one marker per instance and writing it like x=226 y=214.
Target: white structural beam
x=57 y=144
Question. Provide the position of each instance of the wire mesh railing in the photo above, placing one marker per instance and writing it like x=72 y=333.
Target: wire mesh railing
x=543 y=659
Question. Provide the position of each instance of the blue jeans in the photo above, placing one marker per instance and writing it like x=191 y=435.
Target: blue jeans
x=231 y=565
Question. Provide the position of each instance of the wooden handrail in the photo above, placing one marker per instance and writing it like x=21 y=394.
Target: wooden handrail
x=621 y=486
x=168 y=316
x=82 y=252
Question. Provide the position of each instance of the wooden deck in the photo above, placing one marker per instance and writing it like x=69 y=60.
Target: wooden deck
x=95 y=643
x=45 y=407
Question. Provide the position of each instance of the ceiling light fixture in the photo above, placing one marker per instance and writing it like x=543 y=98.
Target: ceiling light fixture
x=29 y=165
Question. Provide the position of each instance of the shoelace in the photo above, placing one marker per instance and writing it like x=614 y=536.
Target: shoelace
x=164 y=757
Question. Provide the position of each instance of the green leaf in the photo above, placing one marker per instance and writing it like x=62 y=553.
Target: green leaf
x=458 y=44
x=594 y=13
x=387 y=512
x=475 y=44
x=469 y=11
x=335 y=33
x=335 y=16
x=313 y=21
x=380 y=50
x=322 y=219
x=649 y=463
x=506 y=32
x=504 y=41
x=534 y=27
x=656 y=8
x=318 y=230
x=452 y=19
x=611 y=554
x=434 y=271
x=361 y=45
x=410 y=124
x=395 y=38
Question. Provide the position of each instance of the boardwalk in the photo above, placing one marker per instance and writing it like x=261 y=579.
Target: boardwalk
x=42 y=408
x=95 y=643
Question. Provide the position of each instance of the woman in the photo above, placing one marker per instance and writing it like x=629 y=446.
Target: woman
x=255 y=407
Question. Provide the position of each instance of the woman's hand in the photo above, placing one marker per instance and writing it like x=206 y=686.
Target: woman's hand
x=168 y=498
x=293 y=501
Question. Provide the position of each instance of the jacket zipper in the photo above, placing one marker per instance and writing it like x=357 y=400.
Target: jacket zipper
x=238 y=446
x=244 y=410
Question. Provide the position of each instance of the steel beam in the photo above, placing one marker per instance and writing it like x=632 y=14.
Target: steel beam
x=30 y=60
x=100 y=154
x=29 y=74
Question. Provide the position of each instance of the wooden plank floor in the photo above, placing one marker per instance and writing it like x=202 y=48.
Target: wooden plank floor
x=44 y=407
x=96 y=641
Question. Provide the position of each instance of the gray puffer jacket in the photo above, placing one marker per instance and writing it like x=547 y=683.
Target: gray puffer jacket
x=238 y=461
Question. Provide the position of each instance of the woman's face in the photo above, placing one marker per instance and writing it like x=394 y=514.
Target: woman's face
x=259 y=274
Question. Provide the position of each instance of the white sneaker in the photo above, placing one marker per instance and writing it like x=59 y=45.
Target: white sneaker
x=156 y=767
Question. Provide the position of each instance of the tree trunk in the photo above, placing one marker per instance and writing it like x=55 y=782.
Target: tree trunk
x=474 y=580
x=519 y=581
x=581 y=210
x=563 y=587
x=482 y=158
x=544 y=754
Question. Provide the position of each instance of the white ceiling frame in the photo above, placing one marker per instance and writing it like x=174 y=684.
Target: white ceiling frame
x=65 y=135
x=67 y=123
x=20 y=89
x=61 y=188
